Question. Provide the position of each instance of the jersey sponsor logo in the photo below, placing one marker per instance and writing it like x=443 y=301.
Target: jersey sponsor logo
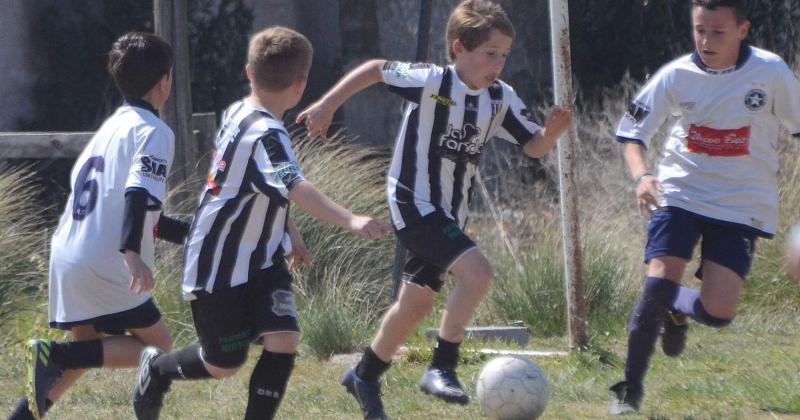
x=286 y=169
x=637 y=112
x=283 y=303
x=443 y=100
x=755 y=99
x=719 y=142
x=153 y=167
x=399 y=68
x=461 y=145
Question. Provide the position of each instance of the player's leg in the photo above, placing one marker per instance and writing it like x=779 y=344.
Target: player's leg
x=223 y=338
x=671 y=236
x=473 y=275
x=273 y=315
x=414 y=303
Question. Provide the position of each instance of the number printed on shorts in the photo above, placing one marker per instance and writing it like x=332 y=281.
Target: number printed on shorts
x=85 y=190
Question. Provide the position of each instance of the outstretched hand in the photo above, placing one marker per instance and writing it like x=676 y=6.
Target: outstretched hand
x=369 y=227
x=557 y=122
x=317 y=118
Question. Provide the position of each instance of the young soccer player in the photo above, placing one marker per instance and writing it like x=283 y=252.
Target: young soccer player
x=100 y=274
x=235 y=274
x=452 y=112
x=716 y=180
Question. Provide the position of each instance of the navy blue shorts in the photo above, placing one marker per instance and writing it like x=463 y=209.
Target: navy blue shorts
x=674 y=232
x=142 y=316
x=228 y=320
x=433 y=244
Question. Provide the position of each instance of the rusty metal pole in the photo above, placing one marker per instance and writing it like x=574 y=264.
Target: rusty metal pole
x=562 y=90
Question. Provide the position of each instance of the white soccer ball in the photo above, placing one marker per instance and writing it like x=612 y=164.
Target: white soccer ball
x=513 y=388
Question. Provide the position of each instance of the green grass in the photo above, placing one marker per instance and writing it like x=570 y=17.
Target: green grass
x=742 y=372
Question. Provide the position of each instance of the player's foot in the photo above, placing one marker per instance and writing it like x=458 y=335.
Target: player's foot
x=43 y=373
x=673 y=337
x=368 y=394
x=444 y=384
x=628 y=398
x=148 y=395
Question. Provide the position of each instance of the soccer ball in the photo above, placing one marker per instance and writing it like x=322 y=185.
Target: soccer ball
x=513 y=388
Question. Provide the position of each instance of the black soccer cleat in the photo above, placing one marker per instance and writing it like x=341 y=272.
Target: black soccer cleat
x=628 y=398
x=148 y=395
x=368 y=394
x=43 y=373
x=673 y=337
x=444 y=384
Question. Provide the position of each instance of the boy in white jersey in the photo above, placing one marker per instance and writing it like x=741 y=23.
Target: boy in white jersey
x=452 y=112
x=234 y=269
x=716 y=180
x=99 y=282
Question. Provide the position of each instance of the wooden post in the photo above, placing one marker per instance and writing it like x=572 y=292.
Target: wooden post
x=171 y=21
x=562 y=83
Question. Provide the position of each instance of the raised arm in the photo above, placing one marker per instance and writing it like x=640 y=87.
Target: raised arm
x=318 y=116
x=314 y=202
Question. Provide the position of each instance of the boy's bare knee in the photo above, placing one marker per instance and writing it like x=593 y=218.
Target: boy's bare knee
x=281 y=342
x=221 y=373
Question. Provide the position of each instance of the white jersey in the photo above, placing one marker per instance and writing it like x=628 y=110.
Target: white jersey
x=133 y=149
x=720 y=159
x=240 y=223
x=445 y=127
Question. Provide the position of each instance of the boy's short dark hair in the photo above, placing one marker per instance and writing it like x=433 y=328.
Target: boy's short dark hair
x=737 y=5
x=472 y=22
x=137 y=61
x=278 y=57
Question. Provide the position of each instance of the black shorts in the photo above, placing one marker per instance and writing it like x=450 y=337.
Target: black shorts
x=142 y=316
x=433 y=244
x=228 y=320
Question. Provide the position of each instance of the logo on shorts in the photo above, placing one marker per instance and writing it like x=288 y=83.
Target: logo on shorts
x=755 y=99
x=283 y=303
x=452 y=231
x=756 y=223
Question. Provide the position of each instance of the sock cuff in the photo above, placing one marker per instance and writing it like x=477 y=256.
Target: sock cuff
x=709 y=319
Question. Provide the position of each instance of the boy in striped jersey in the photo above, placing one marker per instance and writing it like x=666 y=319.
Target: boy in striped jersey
x=235 y=274
x=452 y=112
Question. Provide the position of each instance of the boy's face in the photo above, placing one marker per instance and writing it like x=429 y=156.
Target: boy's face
x=717 y=35
x=480 y=67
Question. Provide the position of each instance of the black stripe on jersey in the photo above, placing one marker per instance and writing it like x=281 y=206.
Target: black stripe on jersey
x=206 y=259
x=515 y=128
x=408 y=171
x=230 y=149
x=412 y=94
x=441 y=116
x=254 y=178
x=460 y=171
x=257 y=258
x=230 y=249
x=277 y=155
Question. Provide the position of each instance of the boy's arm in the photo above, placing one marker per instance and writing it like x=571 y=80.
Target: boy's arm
x=318 y=116
x=321 y=207
x=648 y=189
x=545 y=139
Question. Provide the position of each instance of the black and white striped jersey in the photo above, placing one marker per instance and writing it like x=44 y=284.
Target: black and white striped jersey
x=241 y=219
x=445 y=127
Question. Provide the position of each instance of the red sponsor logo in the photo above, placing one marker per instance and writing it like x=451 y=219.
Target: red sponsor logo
x=719 y=142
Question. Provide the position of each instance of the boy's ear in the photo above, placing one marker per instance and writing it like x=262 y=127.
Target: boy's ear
x=744 y=29
x=458 y=47
x=300 y=85
x=249 y=71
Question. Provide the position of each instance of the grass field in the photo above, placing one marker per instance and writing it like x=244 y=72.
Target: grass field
x=747 y=371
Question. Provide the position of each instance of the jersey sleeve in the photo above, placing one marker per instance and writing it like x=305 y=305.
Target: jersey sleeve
x=407 y=79
x=647 y=112
x=787 y=100
x=152 y=159
x=517 y=126
x=275 y=164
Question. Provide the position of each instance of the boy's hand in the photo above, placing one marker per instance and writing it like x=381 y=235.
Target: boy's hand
x=557 y=122
x=648 y=194
x=317 y=118
x=369 y=227
x=141 y=276
x=300 y=254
